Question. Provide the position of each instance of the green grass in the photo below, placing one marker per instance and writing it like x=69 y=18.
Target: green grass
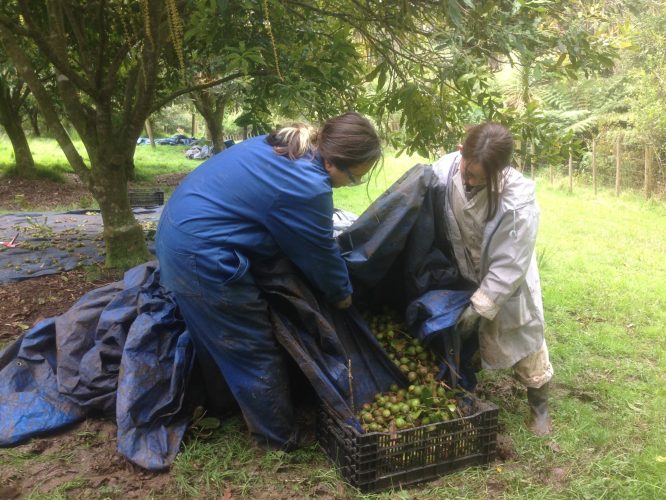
x=148 y=161
x=357 y=198
x=604 y=283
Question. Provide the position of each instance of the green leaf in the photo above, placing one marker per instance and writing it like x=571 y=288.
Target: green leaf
x=208 y=423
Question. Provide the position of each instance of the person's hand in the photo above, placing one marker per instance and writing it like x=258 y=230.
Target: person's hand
x=467 y=322
x=344 y=303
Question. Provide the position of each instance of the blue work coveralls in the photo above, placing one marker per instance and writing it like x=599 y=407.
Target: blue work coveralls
x=244 y=204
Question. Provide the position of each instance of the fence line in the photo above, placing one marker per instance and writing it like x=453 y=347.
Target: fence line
x=616 y=166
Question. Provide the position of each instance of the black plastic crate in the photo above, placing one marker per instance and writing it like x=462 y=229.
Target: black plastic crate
x=378 y=460
x=146 y=197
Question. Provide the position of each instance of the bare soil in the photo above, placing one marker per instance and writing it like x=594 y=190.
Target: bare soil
x=44 y=195
x=84 y=462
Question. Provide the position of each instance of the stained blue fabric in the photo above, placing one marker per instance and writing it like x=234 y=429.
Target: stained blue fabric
x=121 y=350
x=435 y=312
x=335 y=349
x=30 y=403
x=246 y=204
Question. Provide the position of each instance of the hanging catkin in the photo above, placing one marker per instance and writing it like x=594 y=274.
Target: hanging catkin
x=270 y=34
x=176 y=32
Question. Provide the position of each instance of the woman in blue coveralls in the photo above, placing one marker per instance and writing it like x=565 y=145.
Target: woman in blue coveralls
x=266 y=195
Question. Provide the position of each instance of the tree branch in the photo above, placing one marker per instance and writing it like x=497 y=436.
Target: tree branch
x=166 y=100
x=81 y=42
x=49 y=48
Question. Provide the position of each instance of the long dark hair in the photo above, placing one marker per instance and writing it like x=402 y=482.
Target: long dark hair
x=489 y=145
x=346 y=141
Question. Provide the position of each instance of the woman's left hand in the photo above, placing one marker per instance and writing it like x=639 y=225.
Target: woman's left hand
x=467 y=322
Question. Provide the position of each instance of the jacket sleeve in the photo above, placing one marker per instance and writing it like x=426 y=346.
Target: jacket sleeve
x=303 y=229
x=509 y=256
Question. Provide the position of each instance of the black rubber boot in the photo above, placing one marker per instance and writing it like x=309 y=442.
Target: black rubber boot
x=540 y=421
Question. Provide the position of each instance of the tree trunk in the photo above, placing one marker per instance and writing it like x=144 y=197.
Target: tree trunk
x=194 y=125
x=25 y=164
x=570 y=171
x=11 y=121
x=26 y=71
x=212 y=110
x=149 y=131
x=594 y=166
x=123 y=235
x=531 y=159
x=648 y=172
x=216 y=130
x=617 y=167
x=34 y=122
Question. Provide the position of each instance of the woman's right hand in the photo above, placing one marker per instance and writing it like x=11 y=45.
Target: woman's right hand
x=344 y=303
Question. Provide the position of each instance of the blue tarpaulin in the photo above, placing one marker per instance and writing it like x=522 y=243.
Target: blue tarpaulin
x=123 y=349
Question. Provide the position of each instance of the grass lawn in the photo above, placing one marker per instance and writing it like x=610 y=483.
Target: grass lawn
x=604 y=282
x=148 y=161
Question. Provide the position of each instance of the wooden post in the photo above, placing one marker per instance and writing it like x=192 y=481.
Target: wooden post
x=617 y=167
x=570 y=171
x=149 y=131
x=594 y=165
x=648 y=172
x=194 y=125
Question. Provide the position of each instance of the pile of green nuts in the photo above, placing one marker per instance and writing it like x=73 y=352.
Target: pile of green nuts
x=426 y=401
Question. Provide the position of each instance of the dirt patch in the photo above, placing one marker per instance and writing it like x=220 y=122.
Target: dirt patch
x=83 y=462
x=170 y=180
x=557 y=478
x=24 y=303
x=507 y=392
x=43 y=194
x=506 y=450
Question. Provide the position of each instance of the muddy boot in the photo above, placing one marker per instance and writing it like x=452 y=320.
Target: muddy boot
x=540 y=421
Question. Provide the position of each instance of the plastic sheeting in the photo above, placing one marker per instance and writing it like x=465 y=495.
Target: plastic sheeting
x=398 y=256
x=123 y=349
x=53 y=242
x=335 y=350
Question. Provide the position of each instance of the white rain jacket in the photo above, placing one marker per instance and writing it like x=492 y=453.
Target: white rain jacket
x=509 y=293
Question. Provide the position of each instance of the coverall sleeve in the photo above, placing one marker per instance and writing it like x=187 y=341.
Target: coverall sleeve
x=303 y=229
x=509 y=255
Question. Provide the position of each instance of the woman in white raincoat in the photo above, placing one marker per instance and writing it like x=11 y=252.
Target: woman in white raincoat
x=492 y=218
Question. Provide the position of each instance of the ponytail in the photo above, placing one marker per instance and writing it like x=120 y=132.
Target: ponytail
x=346 y=141
x=293 y=141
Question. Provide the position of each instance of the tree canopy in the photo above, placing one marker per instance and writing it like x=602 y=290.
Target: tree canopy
x=422 y=70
